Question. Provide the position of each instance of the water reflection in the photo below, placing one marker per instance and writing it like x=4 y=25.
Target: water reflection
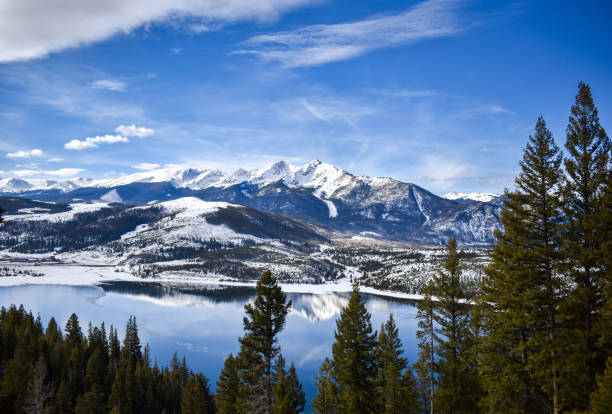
x=203 y=323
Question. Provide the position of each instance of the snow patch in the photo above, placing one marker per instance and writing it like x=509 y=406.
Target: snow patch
x=112 y=197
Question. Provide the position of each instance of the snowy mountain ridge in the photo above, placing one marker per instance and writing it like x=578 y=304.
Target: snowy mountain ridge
x=484 y=197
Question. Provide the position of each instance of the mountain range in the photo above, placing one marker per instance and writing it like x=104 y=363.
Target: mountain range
x=328 y=200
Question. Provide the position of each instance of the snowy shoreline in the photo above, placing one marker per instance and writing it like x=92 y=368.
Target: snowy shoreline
x=78 y=274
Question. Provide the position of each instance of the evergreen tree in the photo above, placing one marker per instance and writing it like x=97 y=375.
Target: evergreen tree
x=408 y=401
x=521 y=292
x=264 y=320
x=426 y=363
x=196 y=398
x=458 y=387
x=229 y=393
x=601 y=398
x=288 y=395
x=326 y=399
x=39 y=393
x=390 y=367
x=586 y=166
x=354 y=358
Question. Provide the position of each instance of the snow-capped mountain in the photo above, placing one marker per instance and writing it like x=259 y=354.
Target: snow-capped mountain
x=484 y=197
x=317 y=193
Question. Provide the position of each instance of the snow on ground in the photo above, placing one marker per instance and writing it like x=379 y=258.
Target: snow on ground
x=485 y=197
x=63 y=274
x=60 y=217
x=84 y=275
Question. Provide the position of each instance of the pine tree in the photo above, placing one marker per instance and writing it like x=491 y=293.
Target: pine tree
x=354 y=358
x=390 y=367
x=601 y=398
x=587 y=171
x=196 y=398
x=408 y=402
x=288 y=395
x=326 y=400
x=458 y=387
x=229 y=392
x=39 y=393
x=521 y=291
x=426 y=363
x=264 y=320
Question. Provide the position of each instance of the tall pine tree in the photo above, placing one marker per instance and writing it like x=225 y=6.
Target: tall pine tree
x=391 y=365
x=264 y=320
x=458 y=386
x=587 y=166
x=521 y=292
x=326 y=400
x=354 y=358
x=425 y=365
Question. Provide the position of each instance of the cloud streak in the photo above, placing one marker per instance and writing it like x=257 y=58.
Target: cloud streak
x=110 y=84
x=145 y=166
x=25 y=154
x=92 y=142
x=134 y=131
x=34 y=28
x=62 y=172
x=320 y=44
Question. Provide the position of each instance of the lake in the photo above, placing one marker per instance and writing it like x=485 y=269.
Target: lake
x=203 y=323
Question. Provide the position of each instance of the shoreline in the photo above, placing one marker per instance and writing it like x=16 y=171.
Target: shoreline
x=79 y=274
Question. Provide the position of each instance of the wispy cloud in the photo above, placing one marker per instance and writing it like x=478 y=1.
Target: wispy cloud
x=34 y=28
x=92 y=142
x=145 y=166
x=110 y=84
x=134 y=131
x=62 y=172
x=25 y=154
x=320 y=44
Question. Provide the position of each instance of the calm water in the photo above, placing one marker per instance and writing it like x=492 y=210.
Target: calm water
x=203 y=324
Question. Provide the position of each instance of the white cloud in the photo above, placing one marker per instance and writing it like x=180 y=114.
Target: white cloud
x=134 y=131
x=145 y=166
x=55 y=160
x=62 y=172
x=25 y=154
x=320 y=44
x=442 y=172
x=109 y=84
x=92 y=142
x=177 y=50
x=34 y=28
x=24 y=173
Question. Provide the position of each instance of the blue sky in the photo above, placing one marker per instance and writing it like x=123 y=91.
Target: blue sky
x=440 y=93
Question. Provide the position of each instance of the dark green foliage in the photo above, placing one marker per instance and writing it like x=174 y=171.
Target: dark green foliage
x=47 y=372
x=354 y=367
x=587 y=168
x=196 y=396
x=458 y=386
x=601 y=398
x=409 y=401
x=229 y=389
x=326 y=400
x=288 y=395
x=425 y=365
x=521 y=291
x=390 y=367
x=264 y=320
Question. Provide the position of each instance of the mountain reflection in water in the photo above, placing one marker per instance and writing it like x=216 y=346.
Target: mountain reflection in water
x=203 y=323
